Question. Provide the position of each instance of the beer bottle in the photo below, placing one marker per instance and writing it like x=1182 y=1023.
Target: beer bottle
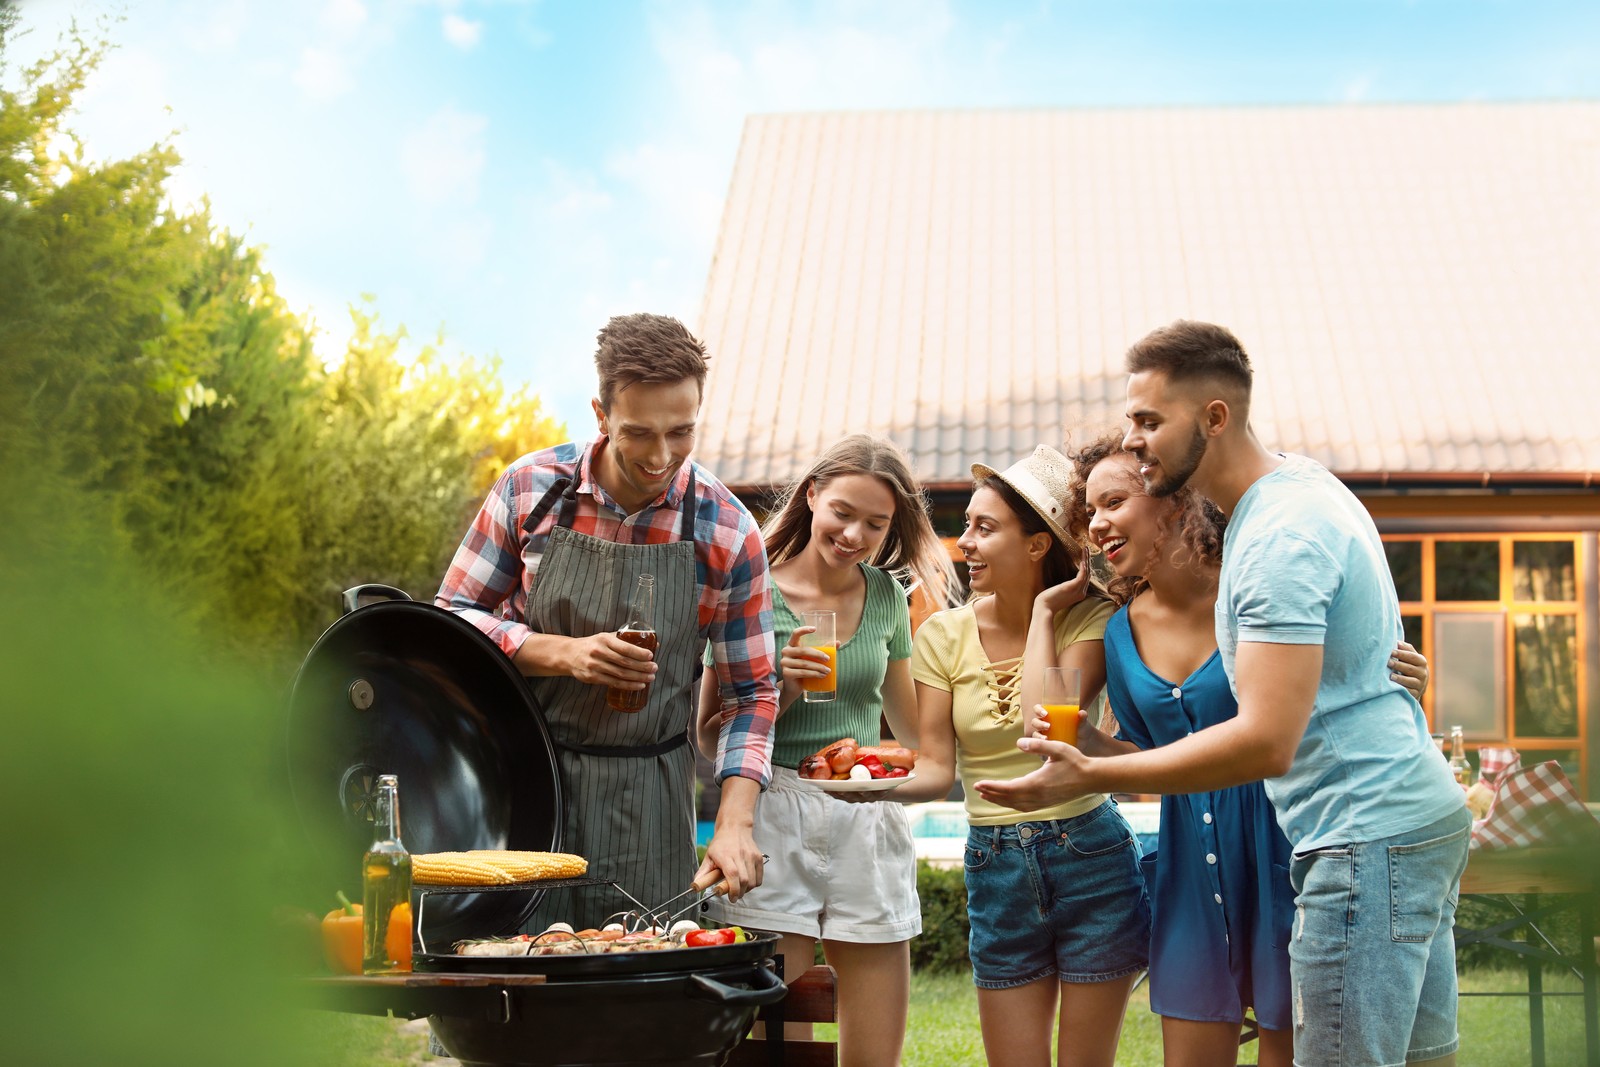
x=640 y=629
x=386 y=888
x=1458 y=758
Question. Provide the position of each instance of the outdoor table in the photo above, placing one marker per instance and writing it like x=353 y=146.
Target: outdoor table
x=416 y=996
x=1536 y=883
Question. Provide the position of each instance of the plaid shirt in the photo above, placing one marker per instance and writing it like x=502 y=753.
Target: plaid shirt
x=493 y=574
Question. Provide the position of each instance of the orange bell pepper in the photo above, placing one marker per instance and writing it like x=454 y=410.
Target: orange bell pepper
x=341 y=937
x=397 y=938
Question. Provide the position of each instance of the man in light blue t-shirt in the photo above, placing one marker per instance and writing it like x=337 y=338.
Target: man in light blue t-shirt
x=1306 y=619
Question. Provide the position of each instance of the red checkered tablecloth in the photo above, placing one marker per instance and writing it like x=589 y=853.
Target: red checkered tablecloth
x=1532 y=806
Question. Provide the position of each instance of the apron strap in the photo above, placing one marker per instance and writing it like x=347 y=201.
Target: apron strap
x=569 y=506
x=686 y=528
x=660 y=748
x=545 y=503
x=566 y=490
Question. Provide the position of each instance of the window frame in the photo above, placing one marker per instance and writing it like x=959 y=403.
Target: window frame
x=1429 y=606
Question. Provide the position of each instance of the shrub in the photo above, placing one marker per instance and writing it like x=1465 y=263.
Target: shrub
x=943 y=944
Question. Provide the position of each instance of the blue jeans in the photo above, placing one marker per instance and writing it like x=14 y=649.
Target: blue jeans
x=1372 y=956
x=1058 y=897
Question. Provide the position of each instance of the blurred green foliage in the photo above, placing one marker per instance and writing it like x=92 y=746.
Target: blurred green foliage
x=943 y=944
x=184 y=488
x=155 y=383
x=151 y=909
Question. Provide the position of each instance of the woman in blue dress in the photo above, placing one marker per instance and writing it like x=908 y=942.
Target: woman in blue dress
x=1219 y=879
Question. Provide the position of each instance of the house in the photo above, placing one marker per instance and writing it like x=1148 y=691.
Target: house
x=1416 y=285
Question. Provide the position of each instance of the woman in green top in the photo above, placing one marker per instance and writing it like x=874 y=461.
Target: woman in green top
x=844 y=873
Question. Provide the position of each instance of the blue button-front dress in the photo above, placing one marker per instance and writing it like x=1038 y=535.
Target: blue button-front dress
x=1219 y=878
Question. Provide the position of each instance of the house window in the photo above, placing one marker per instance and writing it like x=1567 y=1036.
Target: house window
x=1500 y=620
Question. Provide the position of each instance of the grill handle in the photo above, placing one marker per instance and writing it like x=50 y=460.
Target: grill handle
x=352 y=597
x=769 y=989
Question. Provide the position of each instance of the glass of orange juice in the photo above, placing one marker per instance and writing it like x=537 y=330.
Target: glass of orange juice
x=825 y=639
x=1061 y=686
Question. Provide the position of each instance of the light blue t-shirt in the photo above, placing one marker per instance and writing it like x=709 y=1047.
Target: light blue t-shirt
x=1302 y=564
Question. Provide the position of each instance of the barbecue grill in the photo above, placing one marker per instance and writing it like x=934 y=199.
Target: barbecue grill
x=400 y=687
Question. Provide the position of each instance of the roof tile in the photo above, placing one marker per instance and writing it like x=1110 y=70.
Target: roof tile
x=1414 y=283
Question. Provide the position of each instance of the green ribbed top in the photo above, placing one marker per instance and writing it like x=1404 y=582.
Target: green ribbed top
x=884 y=635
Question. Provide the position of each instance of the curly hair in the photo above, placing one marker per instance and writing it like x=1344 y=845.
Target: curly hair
x=1197 y=522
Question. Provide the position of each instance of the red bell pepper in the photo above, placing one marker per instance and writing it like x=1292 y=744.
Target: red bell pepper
x=874 y=766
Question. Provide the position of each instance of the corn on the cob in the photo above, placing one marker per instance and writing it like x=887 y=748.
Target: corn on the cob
x=455 y=868
x=493 y=867
x=533 y=866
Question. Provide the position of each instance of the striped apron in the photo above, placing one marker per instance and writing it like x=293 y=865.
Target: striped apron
x=628 y=777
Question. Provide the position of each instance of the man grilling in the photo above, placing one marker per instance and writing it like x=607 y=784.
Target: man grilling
x=546 y=570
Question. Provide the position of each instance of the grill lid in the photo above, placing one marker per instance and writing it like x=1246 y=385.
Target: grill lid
x=405 y=688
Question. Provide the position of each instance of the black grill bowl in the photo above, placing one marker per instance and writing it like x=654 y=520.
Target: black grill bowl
x=405 y=688
x=612 y=1011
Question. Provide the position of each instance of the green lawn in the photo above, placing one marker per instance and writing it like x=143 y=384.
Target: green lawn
x=943 y=1031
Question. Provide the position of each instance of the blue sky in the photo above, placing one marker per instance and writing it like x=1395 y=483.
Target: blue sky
x=513 y=172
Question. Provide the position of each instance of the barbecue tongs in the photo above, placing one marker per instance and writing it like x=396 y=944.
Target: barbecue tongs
x=708 y=885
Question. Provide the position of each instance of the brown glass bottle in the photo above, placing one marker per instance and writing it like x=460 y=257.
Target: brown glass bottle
x=640 y=630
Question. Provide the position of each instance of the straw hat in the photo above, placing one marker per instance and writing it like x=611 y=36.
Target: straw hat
x=1044 y=480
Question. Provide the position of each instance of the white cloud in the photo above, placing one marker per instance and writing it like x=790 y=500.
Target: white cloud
x=718 y=68
x=323 y=74
x=218 y=28
x=681 y=186
x=443 y=159
x=463 y=33
x=572 y=196
x=849 y=55
x=129 y=98
x=344 y=16
x=1357 y=89
x=467 y=241
x=343 y=36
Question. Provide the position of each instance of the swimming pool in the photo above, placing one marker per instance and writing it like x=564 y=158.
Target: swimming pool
x=940 y=828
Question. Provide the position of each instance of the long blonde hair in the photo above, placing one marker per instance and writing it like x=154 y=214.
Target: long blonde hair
x=911 y=551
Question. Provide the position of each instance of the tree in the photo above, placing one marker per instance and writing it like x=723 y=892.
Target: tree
x=165 y=404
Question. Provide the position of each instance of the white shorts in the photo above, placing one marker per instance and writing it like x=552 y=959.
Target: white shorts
x=840 y=871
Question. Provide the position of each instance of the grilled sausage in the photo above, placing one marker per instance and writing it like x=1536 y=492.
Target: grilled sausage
x=890 y=755
x=830 y=760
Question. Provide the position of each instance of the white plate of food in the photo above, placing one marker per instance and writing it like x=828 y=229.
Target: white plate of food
x=856 y=785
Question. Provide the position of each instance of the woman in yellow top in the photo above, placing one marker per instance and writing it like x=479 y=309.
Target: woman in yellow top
x=1060 y=920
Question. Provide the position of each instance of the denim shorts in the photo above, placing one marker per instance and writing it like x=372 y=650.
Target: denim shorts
x=1372 y=956
x=1059 y=897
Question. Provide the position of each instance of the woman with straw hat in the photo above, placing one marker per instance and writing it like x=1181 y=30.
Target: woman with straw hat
x=1060 y=921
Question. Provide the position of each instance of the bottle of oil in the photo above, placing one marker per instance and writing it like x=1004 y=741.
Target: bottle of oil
x=386 y=885
x=640 y=629
x=1458 y=758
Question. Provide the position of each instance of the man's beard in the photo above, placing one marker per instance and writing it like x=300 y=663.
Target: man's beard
x=1177 y=479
